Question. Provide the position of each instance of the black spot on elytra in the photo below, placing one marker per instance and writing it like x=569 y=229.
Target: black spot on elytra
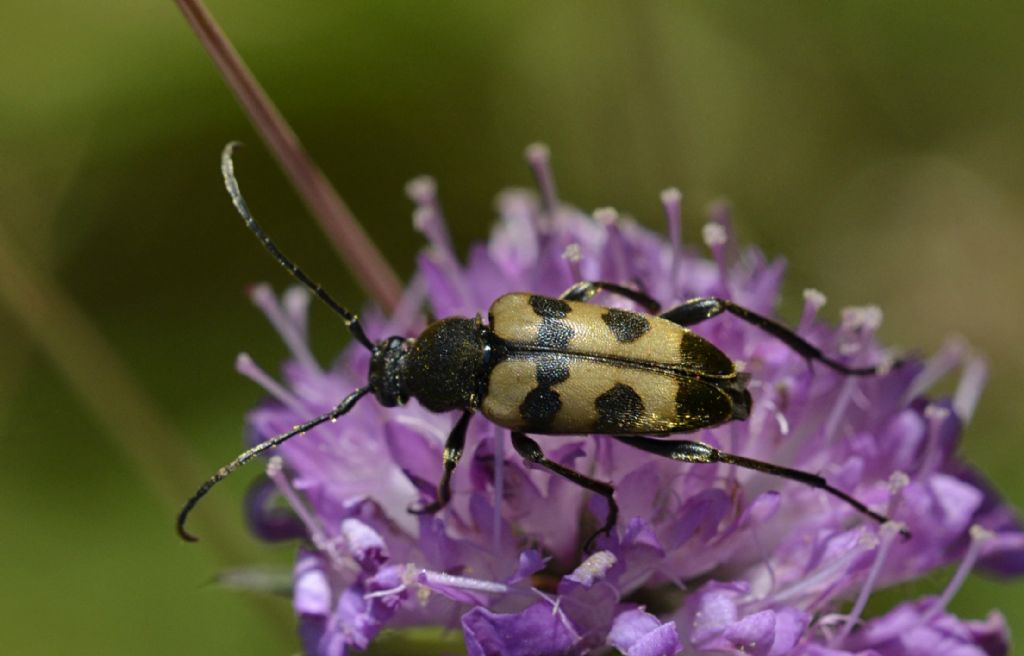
x=552 y=368
x=554 y=334
x=549 y=308
x=619 y=409
x=539 y=407
x=626 y=326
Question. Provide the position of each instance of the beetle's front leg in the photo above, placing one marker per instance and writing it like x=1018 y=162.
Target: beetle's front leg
x=701 y=309
x=453 y=447
x=531 y=452
x=584 y=291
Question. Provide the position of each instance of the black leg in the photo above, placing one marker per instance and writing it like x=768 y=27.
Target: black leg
x=531 y=452
x=689 y=451
x=701 y=309
x=452 y=452
x=584 y=291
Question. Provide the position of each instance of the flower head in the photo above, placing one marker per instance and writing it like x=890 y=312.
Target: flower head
x=704 y=557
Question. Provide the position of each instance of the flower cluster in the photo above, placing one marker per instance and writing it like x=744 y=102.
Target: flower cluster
x=704 y=558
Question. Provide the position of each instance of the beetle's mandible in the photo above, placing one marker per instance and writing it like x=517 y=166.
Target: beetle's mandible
x=559 y=366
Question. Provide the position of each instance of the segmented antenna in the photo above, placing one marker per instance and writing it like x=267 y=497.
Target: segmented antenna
x=227 y=167
x=246 y=456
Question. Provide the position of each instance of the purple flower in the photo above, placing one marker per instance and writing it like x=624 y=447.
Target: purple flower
x=704 y=558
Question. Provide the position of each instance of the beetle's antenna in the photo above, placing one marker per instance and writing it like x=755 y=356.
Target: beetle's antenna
x=227 y=168
x=246 y=456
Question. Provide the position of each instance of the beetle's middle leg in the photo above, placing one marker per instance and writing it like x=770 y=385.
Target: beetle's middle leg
x=701 y=309
x=453 y=448
x=531 y=452
x=690 y=451
x=585 y=290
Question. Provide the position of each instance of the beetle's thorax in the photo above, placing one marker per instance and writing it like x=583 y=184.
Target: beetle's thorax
x=444 y=366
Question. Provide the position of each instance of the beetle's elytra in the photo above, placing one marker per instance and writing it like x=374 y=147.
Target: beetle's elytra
x=569 y=367
x=559 y=366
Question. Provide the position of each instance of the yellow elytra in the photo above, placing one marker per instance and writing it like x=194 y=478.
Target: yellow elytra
x=574 y=367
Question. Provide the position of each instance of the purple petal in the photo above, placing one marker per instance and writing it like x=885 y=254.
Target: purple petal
x=911 y=629
x=711 y=610
x=364 y=543
x=536 y=631
x=638 y=633
x=530 y=562
x=754 y=634
x=790 y=625
x=312 y=588
x=265 y=519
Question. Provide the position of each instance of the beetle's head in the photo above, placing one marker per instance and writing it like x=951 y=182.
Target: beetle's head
x=386 y=371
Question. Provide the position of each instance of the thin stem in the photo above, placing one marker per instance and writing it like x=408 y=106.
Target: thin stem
x=359 y=253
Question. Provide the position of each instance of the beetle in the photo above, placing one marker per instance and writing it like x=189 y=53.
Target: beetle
x=558 y=366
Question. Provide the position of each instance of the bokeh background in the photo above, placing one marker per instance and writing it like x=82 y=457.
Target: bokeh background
x=878 y=146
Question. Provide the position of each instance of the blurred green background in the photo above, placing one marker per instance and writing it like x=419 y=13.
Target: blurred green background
x=878 y=146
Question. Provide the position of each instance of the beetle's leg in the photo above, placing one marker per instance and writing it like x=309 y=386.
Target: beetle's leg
x=453 y=447
x=700 y=309
x=531 y=452
x=584 y=291
x=689 y=451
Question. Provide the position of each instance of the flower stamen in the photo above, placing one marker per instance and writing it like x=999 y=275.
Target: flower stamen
x=888 y=531
x=814 y=300
x=316 y=531
x=969 y=387
x=295 y=301
x=824 y=575
x=538 y=156
x=499 y=487
x=716 y=237
x=935 y=416
x=950 y=355
x=672 y=204
x=573 y=254
x=428 y=218
x=245 y=365
x=979 y=535
x=262 y=296
x=897 y=482
x=835 y=415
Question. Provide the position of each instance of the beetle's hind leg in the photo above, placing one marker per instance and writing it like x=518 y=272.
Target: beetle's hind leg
x=453 y=448
x=531 y=452
x=584 y=291
x=690 y=451
x=701 y=309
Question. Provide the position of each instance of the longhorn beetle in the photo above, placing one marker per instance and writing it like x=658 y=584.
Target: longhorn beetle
x=558 y=366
